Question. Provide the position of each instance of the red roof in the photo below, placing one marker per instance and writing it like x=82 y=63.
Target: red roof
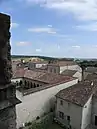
x=46 y=77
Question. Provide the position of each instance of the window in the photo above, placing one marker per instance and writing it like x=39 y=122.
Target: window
x=54 y=70
x=31 y=85
x=21 y=82
x=61 y=115
x=68 y=118
x=3 y=94
x=25 y=83
x=28 y=84
x=96 y=120
x=61 y=102
x=34 y=85
x=37 y=85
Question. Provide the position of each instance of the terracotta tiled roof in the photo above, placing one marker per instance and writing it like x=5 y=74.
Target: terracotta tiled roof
x=46 y=77
x=90 y=76
x=52 y=78
x=33 y=74
x=69 y=72
x=26 y=73
x=79 y=93
x=64 y=63
x=18 y=73
x=91 y=69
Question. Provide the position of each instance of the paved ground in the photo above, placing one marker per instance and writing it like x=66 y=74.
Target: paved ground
x=55 y=126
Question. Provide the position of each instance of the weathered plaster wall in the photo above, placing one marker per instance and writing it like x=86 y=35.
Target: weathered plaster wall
x=37 y=103
x=78 y=75
x=69 y=109
x=86 y=114
x=94 y=110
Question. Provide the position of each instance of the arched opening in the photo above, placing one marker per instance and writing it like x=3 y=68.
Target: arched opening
x=31 y=85
x=21 y=82
x=34 y=85
x=25 y=83
x=17 y=83
x=37 y=85
x=28 y=84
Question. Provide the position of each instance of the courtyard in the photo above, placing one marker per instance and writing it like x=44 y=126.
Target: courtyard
x=55 y=126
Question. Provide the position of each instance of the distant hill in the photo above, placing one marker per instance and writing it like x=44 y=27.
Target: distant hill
x=42 y=57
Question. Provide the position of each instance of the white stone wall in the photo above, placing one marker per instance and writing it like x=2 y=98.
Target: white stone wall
x=78 y=75
x=94 y=110
x=37 y=103
x=18 y=79
x=86 y=114
x=72 y=110
x=53 y=69
x=40 y=65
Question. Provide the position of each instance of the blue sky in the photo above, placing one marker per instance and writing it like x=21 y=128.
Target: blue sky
x=60 y=28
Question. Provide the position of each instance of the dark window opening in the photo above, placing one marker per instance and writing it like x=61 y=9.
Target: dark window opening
x=61 y=115
x=17 y=83
x=25 y=83
x=31 y=85
x=34 y=85
x=61 y=102
x=28 y=84
x=21 y=82
x=96 y=120
x=3 y=94
x=37 y=85
x=68 y=118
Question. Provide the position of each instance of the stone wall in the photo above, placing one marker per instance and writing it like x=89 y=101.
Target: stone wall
x=8 y=114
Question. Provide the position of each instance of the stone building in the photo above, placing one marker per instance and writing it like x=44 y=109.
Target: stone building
x=37 y=91
x=59 y=67
x=73 y=73
x=76 y=106
x=8 y=98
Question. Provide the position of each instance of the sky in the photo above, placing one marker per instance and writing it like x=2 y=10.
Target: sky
x=58 y=28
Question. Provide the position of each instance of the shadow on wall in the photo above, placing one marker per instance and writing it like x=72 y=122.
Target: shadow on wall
x=3 y=125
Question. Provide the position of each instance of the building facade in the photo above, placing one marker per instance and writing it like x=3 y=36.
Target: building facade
x=76 y=106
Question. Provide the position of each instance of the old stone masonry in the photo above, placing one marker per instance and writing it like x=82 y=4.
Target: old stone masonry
x=8 y=98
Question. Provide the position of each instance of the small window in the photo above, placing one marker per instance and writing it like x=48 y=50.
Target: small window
x=25 y=83
x=54 y=70
x=61 y=102
x=37 y=85
x=31 y=85
x=34 y=85
x=61 y=115
x=21 y=82
x=68 y=118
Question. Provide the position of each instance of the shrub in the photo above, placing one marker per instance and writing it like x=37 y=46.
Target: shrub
x=28 y=123
x=37 y=118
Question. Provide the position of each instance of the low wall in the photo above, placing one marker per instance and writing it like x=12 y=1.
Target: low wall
x=38 y=103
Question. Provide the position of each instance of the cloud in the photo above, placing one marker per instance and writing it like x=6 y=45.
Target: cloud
x=38 y=50
x=88 y=27
x=22 y=43
x=82 y=9
x=76 y=46
x=14 y=25
x=48 y=29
